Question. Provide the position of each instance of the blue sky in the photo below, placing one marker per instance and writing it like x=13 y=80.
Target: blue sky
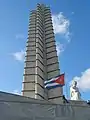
x=72 y=17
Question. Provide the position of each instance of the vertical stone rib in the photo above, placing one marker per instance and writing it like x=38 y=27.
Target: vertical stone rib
x=39 y=87
x=52 y=59
x=30 y=61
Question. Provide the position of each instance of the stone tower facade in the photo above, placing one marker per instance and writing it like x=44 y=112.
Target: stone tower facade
x=41 y=61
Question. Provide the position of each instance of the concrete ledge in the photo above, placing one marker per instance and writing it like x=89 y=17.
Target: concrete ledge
x=28 y=78
x=52 y=93
x=39 y=64
x=52 y=63
x=30 y=48
x=41 y=61
x=39 y=72
x=38 y=40
x=52 y=49
x=48 y=26
x=39 y=29
x=28 y=93
x=38 y=45
x=30 y=64
x=29 y=70
x=30 y=58
x=31 y=53
x=51 y=54
x=39 y=52
x=53 y=74
x=50 y=31
x=73 y=102
x=49 y=36
x=38 y=96
x=33 y=74
x=52 y=59
x=31 y=28
x=39 y=90
x=53 y=70
x=28 y=86
x=29 y=40
x=52 y=67
x=39 y=80
x=50 y=44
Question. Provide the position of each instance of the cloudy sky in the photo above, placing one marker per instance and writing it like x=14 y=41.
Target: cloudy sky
x=71 y=22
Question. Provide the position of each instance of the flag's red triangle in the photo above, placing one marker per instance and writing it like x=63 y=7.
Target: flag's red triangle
x=60 y=79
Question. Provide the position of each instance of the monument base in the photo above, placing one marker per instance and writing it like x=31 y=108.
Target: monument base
x=15 y=107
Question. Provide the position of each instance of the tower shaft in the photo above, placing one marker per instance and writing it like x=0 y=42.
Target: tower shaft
x=41 y=61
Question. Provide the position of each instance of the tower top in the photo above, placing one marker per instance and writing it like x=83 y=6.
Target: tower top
x=42 y=5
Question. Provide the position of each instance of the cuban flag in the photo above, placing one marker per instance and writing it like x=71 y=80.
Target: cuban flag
x=55 y=82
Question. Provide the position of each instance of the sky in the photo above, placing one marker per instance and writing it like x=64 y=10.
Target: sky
x=71 y=22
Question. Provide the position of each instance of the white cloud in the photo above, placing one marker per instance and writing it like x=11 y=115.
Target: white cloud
x=19 y=36
x=61 y=25
x=84 y=80
x=19 y=55
x=60 y=48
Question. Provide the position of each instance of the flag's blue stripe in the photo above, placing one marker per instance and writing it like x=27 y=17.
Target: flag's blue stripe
x=48 y=81
x=52 y=87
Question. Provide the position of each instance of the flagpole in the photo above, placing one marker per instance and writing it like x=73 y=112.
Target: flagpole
x=66 y=86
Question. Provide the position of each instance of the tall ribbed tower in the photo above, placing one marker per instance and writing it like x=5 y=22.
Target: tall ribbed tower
x=41 y=61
